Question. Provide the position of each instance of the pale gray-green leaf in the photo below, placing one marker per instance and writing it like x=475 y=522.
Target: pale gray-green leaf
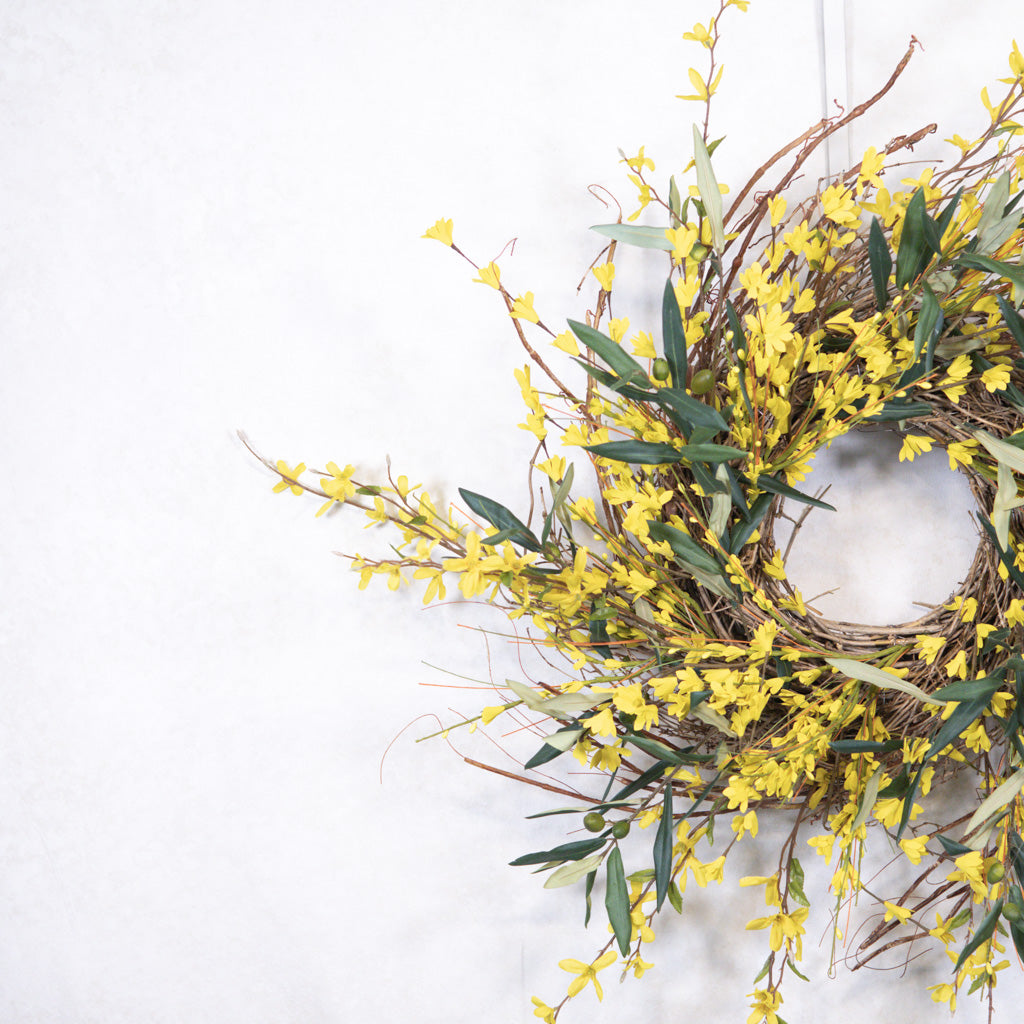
x=717 y=584
x=880 y=677
x=707 y=185
x=640 y=235
x=713 y=718
x=563 y=740
x=994 y=238
x=996 y=800
x=573 y=871
x=950 y=348
x=562 y=705
x=992 y=223
x=721 y=504
x=1013 y=457
x=1004 y=503
x=644 y=611
x=941 y=282
x=869 y=798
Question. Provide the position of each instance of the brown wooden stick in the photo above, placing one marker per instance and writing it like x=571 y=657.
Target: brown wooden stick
x=531 y=782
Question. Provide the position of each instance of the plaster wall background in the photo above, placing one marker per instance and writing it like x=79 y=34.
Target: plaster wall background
x=210 y=216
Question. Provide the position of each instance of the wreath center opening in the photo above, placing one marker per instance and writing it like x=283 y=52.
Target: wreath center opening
x=901 y=540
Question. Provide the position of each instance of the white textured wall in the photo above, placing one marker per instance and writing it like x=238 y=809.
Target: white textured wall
x=209 y=219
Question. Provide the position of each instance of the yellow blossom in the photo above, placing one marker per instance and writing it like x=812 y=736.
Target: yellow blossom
x=892 y=910
x=944 y=993
x=605 y=274
x=957 y=666
x=742 y=824
x=683 y=240
x=822 y=845
x=915 y=848
x=739 y=792
x=700 y=34
x=566 y=341
x=1016 y=63
x=288 y=477
x=764 y=1006
x=542 y=1010
x=960 y=453
x=700 y=87
x=617 y=327
x=872 y=163
x=928 y=647
x=442 y=231
x=643 y=345
x=838 y=205
x=474 y=580
x=970 y=868
x=490 y=275
x=553 y=467
x=639 y=162
x=338 y=486
x=710 y=872
x=587 y=972
x=783 y=926
x=995 y=378
x=640 y=966
x=914 y=445
x=522 y=309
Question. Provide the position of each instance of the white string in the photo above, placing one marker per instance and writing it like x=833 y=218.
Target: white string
x=835 y=85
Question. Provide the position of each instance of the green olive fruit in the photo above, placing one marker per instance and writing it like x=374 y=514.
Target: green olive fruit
x=996 y=873
x=660 y=370
x=620 y=829
x=703 y=381
x=1012 y=912
x=593 y=822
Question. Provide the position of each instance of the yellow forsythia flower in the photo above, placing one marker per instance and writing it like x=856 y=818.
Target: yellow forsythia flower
x=995 y=378
x=928 y=647
x=617 y=328
x=1016 y=61
x=838 y=205
x=900 y=913
x=605 y=274
x=914 y=445
x=288 y=477
x=915 y=848
x=587 y=972
x=639 y=162
x=522 y=309
x=442 y=231
x=566 y=341
x=683 y=240
x=643 y=345
x=700 y=34
x=700 y=87
x=491 y=275
x=553 y=467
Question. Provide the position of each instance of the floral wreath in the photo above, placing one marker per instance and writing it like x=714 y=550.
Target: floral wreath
x=698 y=683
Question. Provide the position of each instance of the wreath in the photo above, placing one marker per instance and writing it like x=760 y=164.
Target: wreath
x=698 y=682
